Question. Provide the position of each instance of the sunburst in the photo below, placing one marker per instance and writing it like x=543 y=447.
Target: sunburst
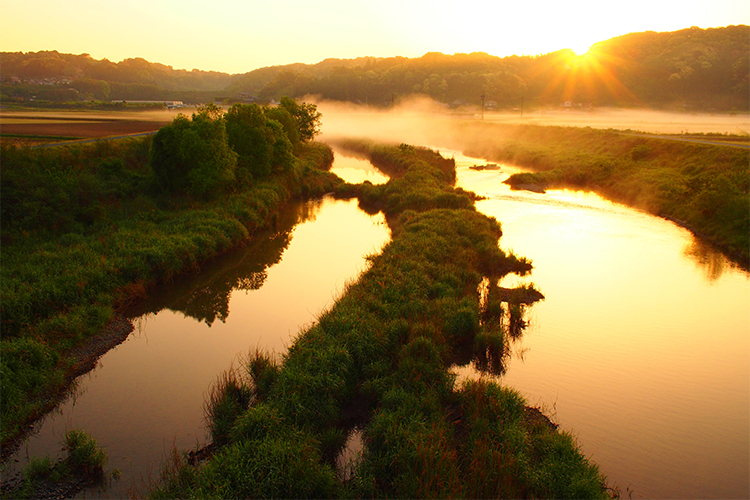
x=590 y=76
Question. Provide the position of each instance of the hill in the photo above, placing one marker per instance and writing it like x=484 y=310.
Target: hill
x=692 y=69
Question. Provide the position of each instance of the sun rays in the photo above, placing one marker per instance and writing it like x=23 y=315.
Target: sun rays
x=590 y=76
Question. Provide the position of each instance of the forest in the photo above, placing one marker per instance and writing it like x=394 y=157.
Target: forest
x=692 y=69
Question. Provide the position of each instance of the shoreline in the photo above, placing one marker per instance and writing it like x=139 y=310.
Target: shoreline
x=83 y=359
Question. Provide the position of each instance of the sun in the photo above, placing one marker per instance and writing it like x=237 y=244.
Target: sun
x=581 y=50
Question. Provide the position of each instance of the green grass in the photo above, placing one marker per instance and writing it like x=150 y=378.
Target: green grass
x=379 y=359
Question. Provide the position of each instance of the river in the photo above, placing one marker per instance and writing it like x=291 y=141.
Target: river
x=641 y=348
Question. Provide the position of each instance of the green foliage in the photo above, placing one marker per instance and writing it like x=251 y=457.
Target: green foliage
x=84 y=457
x=85 y=228
x=263 y=373
x=283 y=115
x=273 y=467
x=82 y=465
x=66 y=189
x=26 y=367
x=193 y=156
x=306 y=116
x=228 y=398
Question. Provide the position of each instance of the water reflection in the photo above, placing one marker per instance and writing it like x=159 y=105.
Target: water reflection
x=619 y=347
x=355 y=169
x=706 y=257
x=205 y=296
x=503 y=319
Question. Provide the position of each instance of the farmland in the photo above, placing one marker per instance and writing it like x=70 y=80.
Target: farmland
x=25 y=128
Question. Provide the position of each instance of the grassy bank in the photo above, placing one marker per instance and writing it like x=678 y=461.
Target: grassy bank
x=703 y=187
x=86 y=228
x=380 y=361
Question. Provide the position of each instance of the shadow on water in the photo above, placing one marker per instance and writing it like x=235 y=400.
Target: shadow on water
x=205 y=295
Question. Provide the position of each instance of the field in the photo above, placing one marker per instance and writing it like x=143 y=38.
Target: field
x=31 y=128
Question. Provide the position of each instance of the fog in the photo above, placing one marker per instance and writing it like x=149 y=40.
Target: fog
x=424 y=122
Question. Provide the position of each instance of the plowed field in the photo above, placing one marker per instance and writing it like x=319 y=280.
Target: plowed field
x=28 y=128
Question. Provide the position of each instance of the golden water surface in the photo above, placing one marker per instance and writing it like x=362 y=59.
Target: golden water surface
x=642 y=345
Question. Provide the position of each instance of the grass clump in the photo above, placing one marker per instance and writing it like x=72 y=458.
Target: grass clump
x=82 y=465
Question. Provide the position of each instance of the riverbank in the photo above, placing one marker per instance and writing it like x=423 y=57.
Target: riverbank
x=379 y=363
x=702 y=187
x=84 y=231
x=82 y=359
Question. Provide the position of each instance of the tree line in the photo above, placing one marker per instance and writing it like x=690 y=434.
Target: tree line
x=701 y=69
x=690 y=69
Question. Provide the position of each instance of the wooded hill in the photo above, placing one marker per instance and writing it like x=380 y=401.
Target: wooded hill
x=691 y=69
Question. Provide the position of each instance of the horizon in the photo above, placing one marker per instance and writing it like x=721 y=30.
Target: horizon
x=288 y=32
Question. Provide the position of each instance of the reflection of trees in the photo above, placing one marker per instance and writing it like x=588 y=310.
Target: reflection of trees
x=705 y=256
x=503 y=323
x=205 y=295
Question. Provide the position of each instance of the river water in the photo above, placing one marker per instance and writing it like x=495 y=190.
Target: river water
x=641 y=348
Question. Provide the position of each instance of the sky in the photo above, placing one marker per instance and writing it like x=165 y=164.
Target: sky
x=237 y=36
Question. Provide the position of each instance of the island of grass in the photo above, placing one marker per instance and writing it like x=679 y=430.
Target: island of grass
x=380 y=361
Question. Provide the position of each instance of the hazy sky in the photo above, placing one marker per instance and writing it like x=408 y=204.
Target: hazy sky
x=236 y=36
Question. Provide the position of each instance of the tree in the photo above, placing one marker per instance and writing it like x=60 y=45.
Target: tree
x=97 y=89
x=286 y=120
x=193 y=156
x=246 y=133
x=260 y=140
x=306 y=115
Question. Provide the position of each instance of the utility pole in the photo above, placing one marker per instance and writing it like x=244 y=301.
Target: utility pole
x=482 y=105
